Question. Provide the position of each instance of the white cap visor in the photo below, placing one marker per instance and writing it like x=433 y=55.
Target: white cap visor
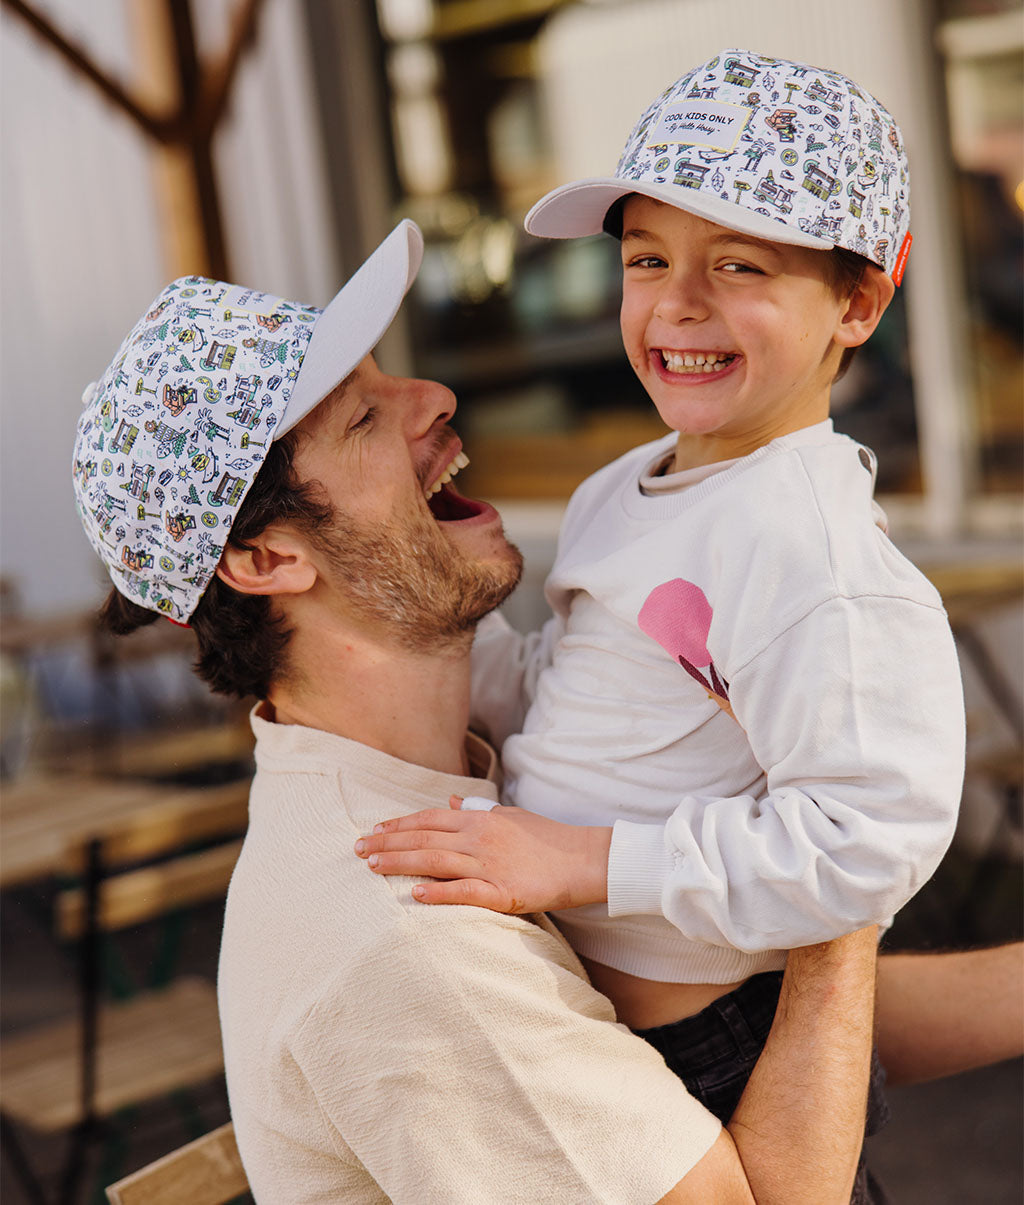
x=355 y=321
x=579 y=208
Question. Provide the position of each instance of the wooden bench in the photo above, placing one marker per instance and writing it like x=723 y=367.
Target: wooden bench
x=138 y=895
x=155 y=1043
x=151 y=1045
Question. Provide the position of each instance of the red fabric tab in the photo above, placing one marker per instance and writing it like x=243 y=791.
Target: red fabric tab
x=901 y=259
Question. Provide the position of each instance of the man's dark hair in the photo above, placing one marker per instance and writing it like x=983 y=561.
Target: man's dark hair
x=242 y=642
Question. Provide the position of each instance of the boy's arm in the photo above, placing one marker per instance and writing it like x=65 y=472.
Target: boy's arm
x=861 y=802
x=505 y=668
x=857 y=714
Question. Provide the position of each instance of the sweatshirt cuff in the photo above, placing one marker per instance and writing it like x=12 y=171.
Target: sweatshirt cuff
x=638 y=866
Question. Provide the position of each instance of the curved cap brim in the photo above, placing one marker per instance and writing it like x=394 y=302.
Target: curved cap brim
x=579 y=208
x=353 y=323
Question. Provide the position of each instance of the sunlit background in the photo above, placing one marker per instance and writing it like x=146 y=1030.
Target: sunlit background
x=276 y=143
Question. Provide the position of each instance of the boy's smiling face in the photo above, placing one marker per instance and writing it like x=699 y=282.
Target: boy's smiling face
x=736 y=340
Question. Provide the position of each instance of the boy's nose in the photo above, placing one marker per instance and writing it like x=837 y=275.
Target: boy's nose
x=683 y=298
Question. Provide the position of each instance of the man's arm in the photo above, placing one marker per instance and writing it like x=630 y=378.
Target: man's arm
x=938 y=1014
x=798 y=1130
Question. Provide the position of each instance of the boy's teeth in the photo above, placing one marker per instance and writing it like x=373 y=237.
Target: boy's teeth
x=459 y=462
x=698 y=361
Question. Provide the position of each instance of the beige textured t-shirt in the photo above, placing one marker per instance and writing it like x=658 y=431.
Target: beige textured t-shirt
x=378 y=1049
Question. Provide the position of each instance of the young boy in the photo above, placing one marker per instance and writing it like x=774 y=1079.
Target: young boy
x=745 y=728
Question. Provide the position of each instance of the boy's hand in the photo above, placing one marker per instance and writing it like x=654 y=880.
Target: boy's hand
x=507 y=860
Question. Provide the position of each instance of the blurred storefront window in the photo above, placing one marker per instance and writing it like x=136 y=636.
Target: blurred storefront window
x=490 y=106
x=982 y=45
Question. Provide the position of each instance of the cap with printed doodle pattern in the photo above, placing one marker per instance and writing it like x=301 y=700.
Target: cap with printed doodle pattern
x=173 y=435
x=771 y=148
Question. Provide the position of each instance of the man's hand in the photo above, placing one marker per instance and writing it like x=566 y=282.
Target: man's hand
x=507 y=860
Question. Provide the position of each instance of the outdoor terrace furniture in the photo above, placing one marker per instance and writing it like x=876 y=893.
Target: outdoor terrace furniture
x=205 y=1172
x=77 y=1072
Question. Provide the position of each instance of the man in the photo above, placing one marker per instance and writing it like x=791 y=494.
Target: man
x=295 y=512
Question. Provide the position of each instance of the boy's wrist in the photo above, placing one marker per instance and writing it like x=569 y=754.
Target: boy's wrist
x=592 y=887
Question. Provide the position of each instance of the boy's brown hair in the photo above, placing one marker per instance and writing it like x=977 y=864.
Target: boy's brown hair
x=844 y=270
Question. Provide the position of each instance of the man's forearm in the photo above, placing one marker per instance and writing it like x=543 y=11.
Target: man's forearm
x=799 y=1126
x=938 y=1014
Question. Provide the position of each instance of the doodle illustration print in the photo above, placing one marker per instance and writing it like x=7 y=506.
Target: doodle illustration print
x=678 y=615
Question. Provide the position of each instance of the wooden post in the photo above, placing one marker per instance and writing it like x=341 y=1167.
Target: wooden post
x=186 y=193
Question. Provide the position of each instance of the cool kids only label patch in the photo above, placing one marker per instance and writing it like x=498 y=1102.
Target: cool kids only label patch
x=715 y=125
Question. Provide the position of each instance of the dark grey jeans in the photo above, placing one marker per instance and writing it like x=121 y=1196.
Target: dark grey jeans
x=714 y=1052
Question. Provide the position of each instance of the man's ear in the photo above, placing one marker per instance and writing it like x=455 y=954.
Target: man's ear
x=865 y=307
x=276 y=563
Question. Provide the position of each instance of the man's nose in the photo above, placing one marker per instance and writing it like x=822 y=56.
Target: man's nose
x=429 y=403
x=683 y=297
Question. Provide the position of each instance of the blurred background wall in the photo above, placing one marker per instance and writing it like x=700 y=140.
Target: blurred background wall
x=333 y=119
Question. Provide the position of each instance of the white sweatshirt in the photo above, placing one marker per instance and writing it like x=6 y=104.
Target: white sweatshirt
x=826 y=802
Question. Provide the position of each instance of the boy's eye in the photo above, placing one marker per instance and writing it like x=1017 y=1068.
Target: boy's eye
x=645 y=261
x=740 y=269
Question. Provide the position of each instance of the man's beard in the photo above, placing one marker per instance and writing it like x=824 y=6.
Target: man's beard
x=414 y=583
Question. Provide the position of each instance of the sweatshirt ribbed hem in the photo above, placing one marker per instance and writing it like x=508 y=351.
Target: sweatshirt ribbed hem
x=665 y=956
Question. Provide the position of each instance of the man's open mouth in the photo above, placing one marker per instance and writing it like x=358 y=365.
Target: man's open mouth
x=445 y=504
x=459 y=461
x=690 y=363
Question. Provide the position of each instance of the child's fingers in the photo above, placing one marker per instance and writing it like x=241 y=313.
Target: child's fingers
x=445 y=819
x=437 y=863
x=475 y=892
x=413 y=839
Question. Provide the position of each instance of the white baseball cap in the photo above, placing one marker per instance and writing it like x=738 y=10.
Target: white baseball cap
x=771 y=148
x=176 y=430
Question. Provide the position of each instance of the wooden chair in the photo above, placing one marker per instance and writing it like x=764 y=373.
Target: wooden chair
x=205 y=1172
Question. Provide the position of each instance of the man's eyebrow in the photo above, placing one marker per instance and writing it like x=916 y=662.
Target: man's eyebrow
x=337 y=395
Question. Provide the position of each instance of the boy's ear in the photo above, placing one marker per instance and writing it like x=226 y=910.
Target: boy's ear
x=276 y=563
x=865 y=307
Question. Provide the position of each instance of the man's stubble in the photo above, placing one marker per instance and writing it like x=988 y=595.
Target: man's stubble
x=414 y=581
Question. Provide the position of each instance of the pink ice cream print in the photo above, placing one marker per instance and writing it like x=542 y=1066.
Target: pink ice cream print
x=678 y=615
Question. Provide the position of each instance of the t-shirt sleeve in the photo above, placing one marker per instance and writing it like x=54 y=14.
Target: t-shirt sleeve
x=468 y=1062
x=856 y=711
x=505 y=668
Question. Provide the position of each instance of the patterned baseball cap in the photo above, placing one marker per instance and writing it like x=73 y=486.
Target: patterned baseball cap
x=173 y=435
x=775 y=149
